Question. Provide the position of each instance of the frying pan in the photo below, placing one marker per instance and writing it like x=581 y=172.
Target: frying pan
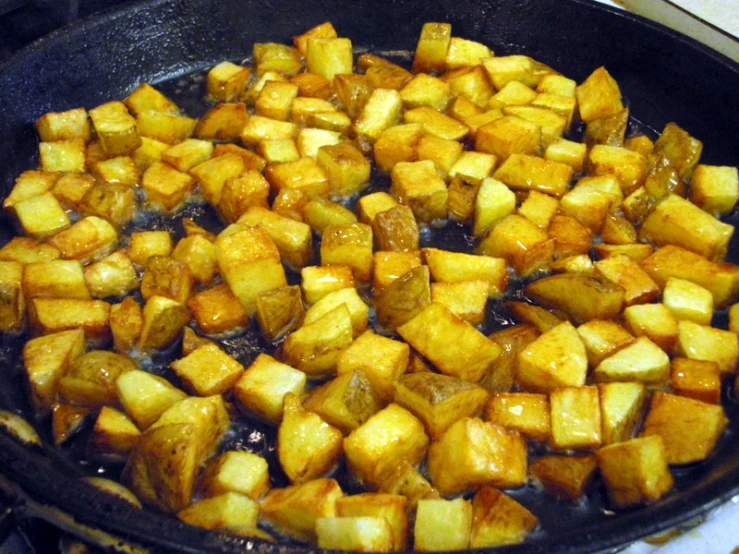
x=663 y=76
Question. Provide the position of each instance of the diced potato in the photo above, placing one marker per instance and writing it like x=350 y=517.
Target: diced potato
x=464 y=53
x=126 y=322
x=207 y=370
x=687 y=300
x=432 y=47
x=697 y=379
x=164 y=276
x=91 y=378
x=303 y=174
x=63 y=155
x=144 y=244
x=567 y=152
x=522 y=244
x=426 y=90
x=498 y=519
x=419 y=186
x=120 y=170
x=357 y=534
x=405 y=480
x=715 y=189
x=504 y=69
x=307 y=446
x=12 y=296
x=436 y=124
x=626 y=165
x=635 y=471
x=188 y=153
x=442 y=525
x=41 y=216
x=454 y=267
x=653 y=321
x=349 y=244
x=566 y=477
x=52 y=279
x=403 y=298
x=345 y=402
x=552 y=124
x=145 y=396
x=51 y=315
x=262 y=388
x=164 y=319
x=576 y=418
x=25 y=250
x=689 y=428
x=293 y=511
x=539 y=208
x=53 y=126
x=638 y=286
x=592 y=200
x=242 y=192
x=279 y=311
x=388 y=266
x=236 y=471
x=571 y=238
x=46 y=359
x=598 y=96
x=224 y=510
x=347 y=169
x=642 y=361
x=555 y=359
x=465 y=299
x=494 y=201
x=328 y=56
x=275 y=100
x=618 y=230
x=528 y=413
x=443 y=152
x=508 y=135
x=114 y=275
x=318 y=281
x=116 y=128
x=226 y=81
x=396 y=229
x=472 y=453
x=66 y=421
x=524 y=172
x=501 y=375
x=165 y=127
x=90 y=239
x=251 y=159
x=389 y=437
x=259 y=128
x=609 y=130
x=113 y=435
x=382 y=110
x=390 y=507
x=701 y=342
x=514 y=93
x=293 y=239
x=543 y=320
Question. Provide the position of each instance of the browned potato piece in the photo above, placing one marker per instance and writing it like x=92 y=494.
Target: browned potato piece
x=404 y=298
x=237 y=471
x=442 y=525
x=566 y=477
x=528 y=413
x=391 y=507
x=113 y=436
x=501 y=375
x=498 y=519
x=225 y=510
x=91 y=378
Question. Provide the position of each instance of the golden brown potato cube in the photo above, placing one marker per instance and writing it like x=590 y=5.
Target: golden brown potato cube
x=687 y=300
x=442 y=525
x=577 y=263
x=162 y=467
x=353 y=91
x=116 y=128
x=46 y=359
x=31 y=183
x=329 y=56
x=52 y=279
x=473 y=453
x=165 y=127
x=472 y=166
x=250 y=263
x=521 y=243
x=635 y=472
x=564 y=106
x=150 y=151
x=419 y=186
x=164 y=276
x=642 y=361
x=275 y=100
x=576 y=422
x=345 y=402
x=259 y=128
x=51 y=315
x=566 y=152
x=280 y=58
x=370 y=205
x=637 y=205
x=242 y=192
x=626 y=165
x=454 y=267
x=381 y=359
x=347 y=169
x=54 y=126
x=41 y=216
x=618 y=230
x=312 y=86
x=498 y=519
x=621 y=409
x=672 y=261
x=315 y=347
x=443 y=152
x=113 y=435
x=677 y=150
x=405 y=480
x=640 y=143
x=503 y=69
x=500 y=376
x=677 y=221
x=293 y=239
x=322 y=30
x=436 y=124
x=358 y=534
x=145 y=396
x=387 y=438
x=388 y=266
x=262 y=388
x=144 y=244
x=225 y=510
x=114 y=275
x=701 y=342
x=514 y=93
x=293 y=511
x=566 y=477
x=539 y=208
x=164 y=319
x=636 y=251
x=439 y=400
x=450 y=343
x=276 y=151
x=349 y=244
x=279 y=311
x=552 y=124
x=166 y=188
x=464 y=53
x=528 y=413
x=91 y=238
x=318 y=281
x=307 y=446
x=696 y=379
x=403 y=298
x=126 y=322
x=349 y=296
x=391 y=507
x=120 y=170
x=598 y=96
x=190 y=152
x=207 y=370
x=236 y=471
x=12 y=297
x=395 y=230
x=622 y=270
x=63 y=155
x=689 y=429
x=524 y=172
x=212 y=174
x=90 y=379
x=715 y=189
x=397 y=144
x=66 y=421
x=426 y=90
x=555 y=359
x=199 y=254
x=543 y=320
x=465 y=299
x=556 y=84
x=602 y=338
x=431 y=49
x=570 y=237
x=304 y=174
x=226 y=81
x=584 y=297
x=653 y=321
x=310 y=140
x=114 y=203
x=382 y=110
x=146 y=97
x=493 y=202
x=251 y=159
x=321 y=212
x=609 y=130
x=592 y=200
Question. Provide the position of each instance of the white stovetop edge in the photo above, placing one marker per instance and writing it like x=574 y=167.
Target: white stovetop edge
x=719 y=534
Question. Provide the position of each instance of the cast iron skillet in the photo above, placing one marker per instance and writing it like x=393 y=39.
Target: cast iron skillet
x=664 y=76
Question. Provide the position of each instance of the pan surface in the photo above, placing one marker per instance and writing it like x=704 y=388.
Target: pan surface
x=663 y=76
